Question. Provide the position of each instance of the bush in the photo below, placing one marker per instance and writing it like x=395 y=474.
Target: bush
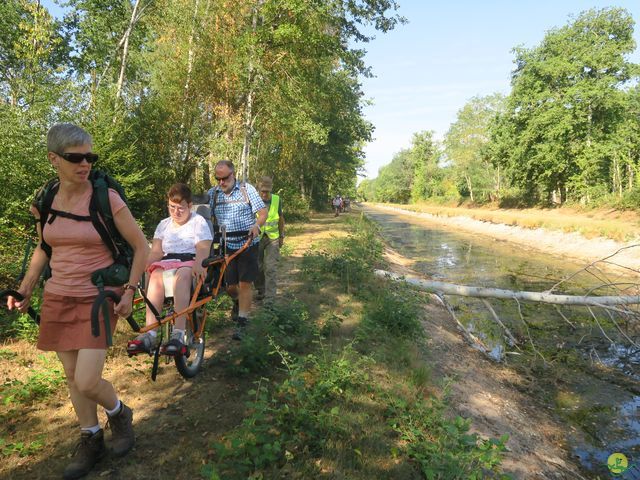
x=443 y=448
x=393 y=311
x=294 y=418
x=273 y=332
x=630 y=200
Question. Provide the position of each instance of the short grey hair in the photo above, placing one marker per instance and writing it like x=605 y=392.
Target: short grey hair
x=226 y=163
x=64 y=135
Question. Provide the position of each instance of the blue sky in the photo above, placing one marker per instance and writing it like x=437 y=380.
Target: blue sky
x=448 y=53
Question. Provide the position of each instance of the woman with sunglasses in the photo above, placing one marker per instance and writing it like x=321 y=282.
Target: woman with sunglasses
x=180 y=243
x=77 y=250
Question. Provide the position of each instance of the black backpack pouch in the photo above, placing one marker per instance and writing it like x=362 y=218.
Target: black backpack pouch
x=114 y=275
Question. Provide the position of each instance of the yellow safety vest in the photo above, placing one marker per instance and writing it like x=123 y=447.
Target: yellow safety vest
x=270 y=227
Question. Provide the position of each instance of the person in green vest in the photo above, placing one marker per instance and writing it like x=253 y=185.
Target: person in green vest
x=271 y=240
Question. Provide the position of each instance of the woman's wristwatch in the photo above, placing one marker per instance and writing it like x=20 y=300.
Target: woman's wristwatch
x=128 y=286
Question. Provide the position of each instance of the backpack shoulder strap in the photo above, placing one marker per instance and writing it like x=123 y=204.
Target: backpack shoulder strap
x=42 y=202
x=100 y=211
x=214 y=202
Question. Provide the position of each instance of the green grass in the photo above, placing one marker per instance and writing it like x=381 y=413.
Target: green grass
x=46 y=378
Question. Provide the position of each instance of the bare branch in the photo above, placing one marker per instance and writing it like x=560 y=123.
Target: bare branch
x=511 y=338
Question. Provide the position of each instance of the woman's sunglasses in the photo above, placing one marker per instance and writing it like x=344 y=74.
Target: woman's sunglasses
x=79 y=157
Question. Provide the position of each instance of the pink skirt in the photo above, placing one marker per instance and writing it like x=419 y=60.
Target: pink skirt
x=170 y=264
x=65 y=323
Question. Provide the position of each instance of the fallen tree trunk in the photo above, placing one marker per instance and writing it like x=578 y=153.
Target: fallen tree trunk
x=482 y=292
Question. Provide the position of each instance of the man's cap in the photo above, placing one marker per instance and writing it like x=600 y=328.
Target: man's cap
x=265 y=183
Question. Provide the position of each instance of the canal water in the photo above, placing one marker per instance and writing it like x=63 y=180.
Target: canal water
x=590 y=370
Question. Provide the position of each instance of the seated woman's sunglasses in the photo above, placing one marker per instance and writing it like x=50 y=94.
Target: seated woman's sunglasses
x=78 y=157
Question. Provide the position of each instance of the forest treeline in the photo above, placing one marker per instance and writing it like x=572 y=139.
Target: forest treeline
x=169 y=87
x=568 y=131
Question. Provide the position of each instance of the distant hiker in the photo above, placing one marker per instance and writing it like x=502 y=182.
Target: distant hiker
x=271 y=240
x=336 y=203
x=180 y=243
x=77 y=250
x=238 y=207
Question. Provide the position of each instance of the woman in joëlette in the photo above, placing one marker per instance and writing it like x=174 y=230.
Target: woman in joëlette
x=180 y=242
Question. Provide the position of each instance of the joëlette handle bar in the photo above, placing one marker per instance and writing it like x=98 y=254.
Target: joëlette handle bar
x=101 y=301
x=12 y=293
x=211 y=260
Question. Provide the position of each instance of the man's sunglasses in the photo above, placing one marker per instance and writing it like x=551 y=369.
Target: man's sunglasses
x=79 y=157
x=223 y=179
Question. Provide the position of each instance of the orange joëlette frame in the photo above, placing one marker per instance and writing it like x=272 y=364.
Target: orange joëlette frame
x=194 y=303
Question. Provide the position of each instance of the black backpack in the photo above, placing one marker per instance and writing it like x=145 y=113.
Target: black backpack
x=101 y=216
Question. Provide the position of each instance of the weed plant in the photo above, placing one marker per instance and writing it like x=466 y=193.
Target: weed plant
x=295 y=420
x=442 y=447
x=349 y=261
x=278 y=327
x=44 y=381
x=392 y=309
x=22 y=449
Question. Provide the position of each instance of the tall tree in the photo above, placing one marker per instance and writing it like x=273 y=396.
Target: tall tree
x=427 y=174
x=567 y=99
x=465 y=142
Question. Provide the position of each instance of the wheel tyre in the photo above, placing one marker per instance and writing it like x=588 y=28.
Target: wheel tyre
x=189 y=365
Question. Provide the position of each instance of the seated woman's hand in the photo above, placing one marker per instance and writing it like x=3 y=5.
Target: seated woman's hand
x=198 y=270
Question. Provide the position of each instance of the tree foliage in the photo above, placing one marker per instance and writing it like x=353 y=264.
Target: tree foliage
x=568 y=130
x=169 y=87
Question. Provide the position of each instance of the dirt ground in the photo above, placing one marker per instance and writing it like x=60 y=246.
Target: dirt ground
x=176 y=419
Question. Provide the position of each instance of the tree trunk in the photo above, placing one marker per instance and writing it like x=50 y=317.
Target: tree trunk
x=185 y=140
x=617 y=177
x=468 y=179
x=125 y=48
x=482 y=292
x=206 y=175
x=248 y=114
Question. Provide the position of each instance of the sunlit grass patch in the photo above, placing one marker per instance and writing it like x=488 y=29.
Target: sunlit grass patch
x=28 y=376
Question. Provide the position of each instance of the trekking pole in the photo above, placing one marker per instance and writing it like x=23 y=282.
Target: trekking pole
x=23 y=270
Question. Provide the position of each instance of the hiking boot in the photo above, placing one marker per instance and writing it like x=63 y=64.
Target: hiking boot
x=143 y=343
x=235 y=310
x=241 y=327
x=88 y=452
x=175 y=345
x=122 y=436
